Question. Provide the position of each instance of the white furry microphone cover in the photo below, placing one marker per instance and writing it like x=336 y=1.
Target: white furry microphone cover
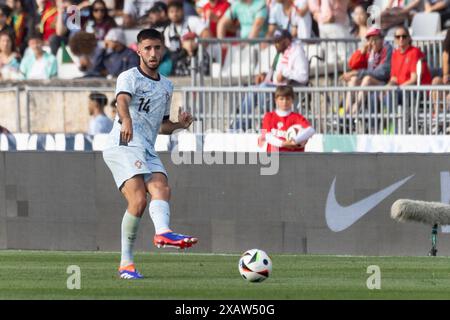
x=421 y=211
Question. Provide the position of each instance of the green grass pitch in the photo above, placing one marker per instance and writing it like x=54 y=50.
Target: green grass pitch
x=42 y=275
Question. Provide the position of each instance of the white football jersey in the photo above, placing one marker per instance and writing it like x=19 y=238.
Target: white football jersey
x=150 y=103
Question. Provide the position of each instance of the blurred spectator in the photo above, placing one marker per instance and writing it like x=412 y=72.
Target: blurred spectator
x=99 y=122
x=303 y=19
x=157 y=17
x=282 y=16
x=397 y=12
x=276 y=124
x=115 y=57
x=4 y=130
x=370 y=66
x=135 y=12
x=49 y=12
x=359 y=17
x=443 y=75
x=100 y=22
x=83 y=45
x=9 y=64
x=5 y=15
x=38 y=64
x=180 y=37
x=22 y=23
x=440 y=6
x=290 y=65
x=112 y=110
x=251 y=15
x=404 y=61
x=333 y=21
x=66 y=23
x=212 y=11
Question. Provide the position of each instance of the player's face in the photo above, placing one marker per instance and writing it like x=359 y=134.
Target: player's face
x=284 y=103
x=150 y=51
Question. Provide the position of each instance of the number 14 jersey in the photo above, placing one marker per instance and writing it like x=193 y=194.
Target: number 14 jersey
x=149 y=105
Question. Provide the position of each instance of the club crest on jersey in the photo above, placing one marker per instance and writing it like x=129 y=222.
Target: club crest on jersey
x=280 y=125
x=138 y=164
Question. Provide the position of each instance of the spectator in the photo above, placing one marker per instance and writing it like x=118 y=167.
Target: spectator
x=276 y=124
x=212 y=12
x=404 y=61
x=115 y=57
x=38 y=64
x=333 y=21
x=282 y=16
x=84 y=45
x=3 y=130
x=359 y=17
x=5 y=15
x=99 y=122
x=9 y=64
x=180 y=37
x=135 y=12
x=251 y=15
x=49 y=12
x=112 y=110
x=303 y=19
x=290 y=65
x=157 y=17
x=22 y=23
x=370 y=66
x=100 y=22
x=443 y=76
x=397 y=12
x=440 y=6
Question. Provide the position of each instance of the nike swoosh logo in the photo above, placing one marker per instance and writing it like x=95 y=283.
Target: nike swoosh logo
x=340 y=218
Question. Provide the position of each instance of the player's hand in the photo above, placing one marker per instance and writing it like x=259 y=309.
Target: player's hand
x=126 y=132
x=184 y=118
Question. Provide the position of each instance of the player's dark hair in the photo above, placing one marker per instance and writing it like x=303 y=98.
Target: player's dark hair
x=284 y=91
x=176 y=4
x=98 y=97
x=151 y=34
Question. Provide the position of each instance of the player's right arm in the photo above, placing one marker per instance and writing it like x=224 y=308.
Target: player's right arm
x=122 y=103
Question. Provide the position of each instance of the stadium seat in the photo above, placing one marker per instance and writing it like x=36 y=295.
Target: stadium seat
x=426 y=24
x=41 y=142
x=67 y=70
x=239 y=60
x=131 y=35
x=266 y=59
x=83 y=142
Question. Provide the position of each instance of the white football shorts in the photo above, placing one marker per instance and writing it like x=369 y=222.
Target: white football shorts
x=125 y=162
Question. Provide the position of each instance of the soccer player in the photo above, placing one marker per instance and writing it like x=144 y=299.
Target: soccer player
x=276 y=124
x=143 y=106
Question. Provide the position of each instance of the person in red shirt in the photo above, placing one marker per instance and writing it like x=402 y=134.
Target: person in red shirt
x=276 y=124
x=404 y=61
x=212 y=11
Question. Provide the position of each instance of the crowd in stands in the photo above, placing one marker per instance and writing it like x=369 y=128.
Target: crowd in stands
x=32 y=32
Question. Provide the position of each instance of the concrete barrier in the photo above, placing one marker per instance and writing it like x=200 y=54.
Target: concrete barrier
x=68 y=201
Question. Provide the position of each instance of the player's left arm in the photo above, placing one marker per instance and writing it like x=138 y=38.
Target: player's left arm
x=184 y=121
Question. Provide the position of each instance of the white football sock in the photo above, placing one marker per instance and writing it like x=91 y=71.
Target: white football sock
x=160 y=214
x=130 y=225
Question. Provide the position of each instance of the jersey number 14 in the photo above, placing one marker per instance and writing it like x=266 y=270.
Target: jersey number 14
x=144 y=105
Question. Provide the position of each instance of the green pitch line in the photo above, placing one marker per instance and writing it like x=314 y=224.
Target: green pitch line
x=42 y=275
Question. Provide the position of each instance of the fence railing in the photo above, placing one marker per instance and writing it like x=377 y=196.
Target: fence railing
x=235 y=61
x=421 y=110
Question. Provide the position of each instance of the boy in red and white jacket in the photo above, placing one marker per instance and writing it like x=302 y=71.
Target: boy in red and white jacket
x=276 y=124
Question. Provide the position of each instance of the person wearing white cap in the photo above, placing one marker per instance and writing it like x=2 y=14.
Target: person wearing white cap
x=115 y=58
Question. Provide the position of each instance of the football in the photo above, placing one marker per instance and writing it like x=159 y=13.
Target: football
x=293 y=131
x=255 y=265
